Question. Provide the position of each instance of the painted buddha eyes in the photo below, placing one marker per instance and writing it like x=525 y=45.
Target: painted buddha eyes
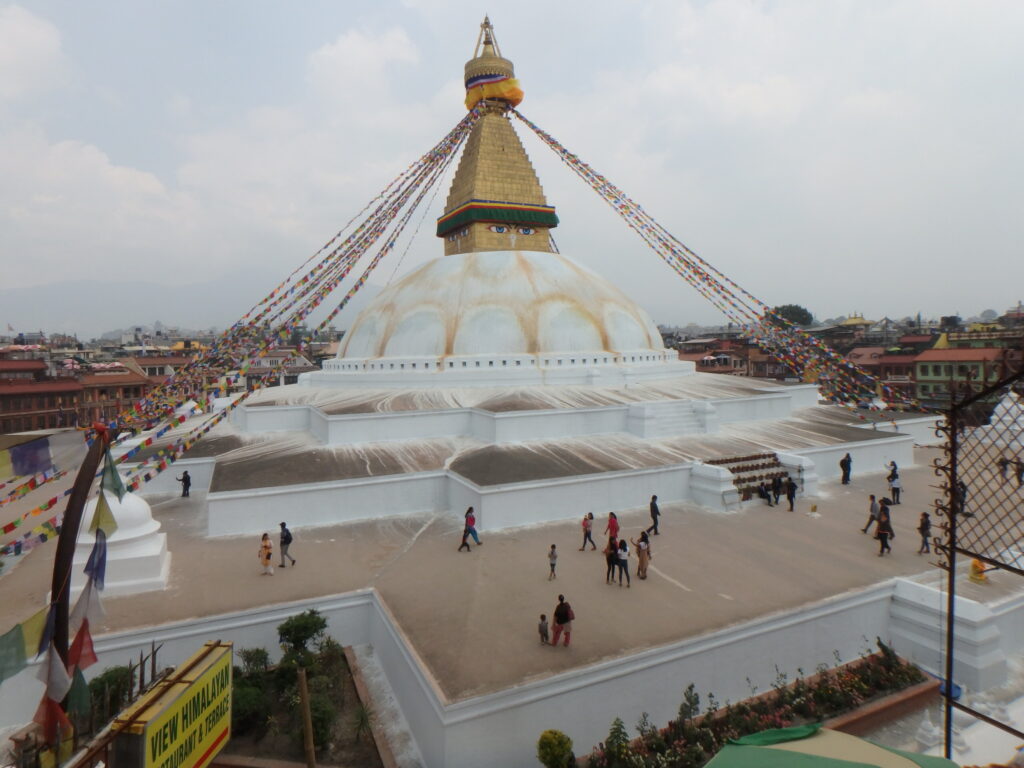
x=501 y=229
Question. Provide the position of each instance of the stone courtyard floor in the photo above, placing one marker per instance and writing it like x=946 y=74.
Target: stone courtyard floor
x=463 y=611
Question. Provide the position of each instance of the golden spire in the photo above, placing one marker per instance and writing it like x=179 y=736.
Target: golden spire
x=496 y=202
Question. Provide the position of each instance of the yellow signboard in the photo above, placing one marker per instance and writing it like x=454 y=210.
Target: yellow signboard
x=186 y=719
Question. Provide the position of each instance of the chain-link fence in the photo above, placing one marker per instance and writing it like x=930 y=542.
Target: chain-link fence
x=981 y=511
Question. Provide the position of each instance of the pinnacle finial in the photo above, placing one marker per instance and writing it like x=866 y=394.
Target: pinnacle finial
x=490 y=76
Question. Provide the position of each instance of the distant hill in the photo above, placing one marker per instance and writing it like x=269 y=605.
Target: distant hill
x=90 y=308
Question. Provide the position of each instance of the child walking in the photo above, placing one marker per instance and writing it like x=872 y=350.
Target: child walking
x=542 y=628
x=552 y=559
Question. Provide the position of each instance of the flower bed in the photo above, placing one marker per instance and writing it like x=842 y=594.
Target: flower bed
x=694 y=738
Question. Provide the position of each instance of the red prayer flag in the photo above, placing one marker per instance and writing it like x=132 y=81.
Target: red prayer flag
x=81 y=654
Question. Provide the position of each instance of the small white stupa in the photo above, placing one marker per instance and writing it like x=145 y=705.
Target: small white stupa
x=137 y=555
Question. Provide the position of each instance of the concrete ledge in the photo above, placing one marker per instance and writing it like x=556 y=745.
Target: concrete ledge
x=387 y=757
x=883 y=711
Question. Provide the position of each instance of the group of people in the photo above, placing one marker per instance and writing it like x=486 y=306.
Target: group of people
x=266 y=553
x=880 y=514
x=616 y=553
x=772 y=492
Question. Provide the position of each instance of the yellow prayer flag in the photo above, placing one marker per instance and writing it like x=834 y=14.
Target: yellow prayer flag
x=32 y=632
x=103 y=517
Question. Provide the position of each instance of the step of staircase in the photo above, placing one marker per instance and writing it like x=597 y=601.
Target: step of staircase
x=751 y=470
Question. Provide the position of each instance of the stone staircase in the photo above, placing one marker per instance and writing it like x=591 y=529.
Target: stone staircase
x=749 y=471
x=668 y=418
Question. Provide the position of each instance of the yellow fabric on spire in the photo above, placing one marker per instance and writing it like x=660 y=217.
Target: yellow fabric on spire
x=507 y=90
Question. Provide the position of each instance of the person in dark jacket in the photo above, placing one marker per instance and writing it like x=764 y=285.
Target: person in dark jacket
x=186 y=483
x=883 y=530
x=285 y=542
x=846 y=465
x=790 y=492
x=655 y=514
x=776 y=488
x=563 y=619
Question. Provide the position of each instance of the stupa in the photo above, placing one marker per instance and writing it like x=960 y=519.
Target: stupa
x=508 y=376
x=501 y=306
x=137 y=556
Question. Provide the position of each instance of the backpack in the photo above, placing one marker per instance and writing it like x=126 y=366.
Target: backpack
x=286 y=537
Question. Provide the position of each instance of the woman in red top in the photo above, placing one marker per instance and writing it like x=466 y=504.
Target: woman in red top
x=612 y=529
x=471 y=525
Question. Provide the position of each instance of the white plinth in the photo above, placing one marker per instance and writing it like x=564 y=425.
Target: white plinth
x=137 y=556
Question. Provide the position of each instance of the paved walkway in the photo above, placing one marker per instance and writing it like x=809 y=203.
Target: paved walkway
x=472 y=616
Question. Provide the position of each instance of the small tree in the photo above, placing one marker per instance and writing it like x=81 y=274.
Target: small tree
x=796 y=314
x=554 y=749
x=296 y=633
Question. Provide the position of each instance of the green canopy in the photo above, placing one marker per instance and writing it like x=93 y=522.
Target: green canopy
x=811 y=746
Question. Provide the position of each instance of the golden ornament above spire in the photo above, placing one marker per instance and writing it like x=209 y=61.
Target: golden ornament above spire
x=489 y=76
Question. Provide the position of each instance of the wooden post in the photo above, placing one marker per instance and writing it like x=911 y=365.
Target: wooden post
x=60 y=587
x=307 y=720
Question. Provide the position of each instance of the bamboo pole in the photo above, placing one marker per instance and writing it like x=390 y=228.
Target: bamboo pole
x=307 y=720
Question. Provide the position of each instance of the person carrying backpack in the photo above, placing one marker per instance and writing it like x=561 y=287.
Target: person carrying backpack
x=286 y=540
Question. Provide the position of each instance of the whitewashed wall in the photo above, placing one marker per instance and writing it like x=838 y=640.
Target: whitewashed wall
x=200 y=470
x=231 y=513
x=501 y=729
x=517 y=504
x=868 y=456
x=513 y=426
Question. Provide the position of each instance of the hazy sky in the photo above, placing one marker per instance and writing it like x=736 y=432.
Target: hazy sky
x=849 y=156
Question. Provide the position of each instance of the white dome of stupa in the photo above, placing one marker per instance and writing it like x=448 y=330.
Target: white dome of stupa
x=501 y=303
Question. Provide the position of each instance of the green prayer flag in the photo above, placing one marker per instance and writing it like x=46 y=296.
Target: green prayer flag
x=12 y=653
x=79 y=701
x=111 y=479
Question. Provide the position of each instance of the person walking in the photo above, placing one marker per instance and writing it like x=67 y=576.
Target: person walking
x=655 y=514
x=1019 y=471
x=895 y=486
x=846 y=465
x=286 y=541
x=588 y=527
x=776 y=488
x=791 y=492
x=542 y=629
x=643 y=554
x=266 y=555
x=884 y=531
x=924 y=527
x=563 y=619
x=612 y=529
x=623 y=561
x=552 y=561
x=872 y=513
x=471 y=525
x=611 y=558
x=465 y=538
x=186 y=483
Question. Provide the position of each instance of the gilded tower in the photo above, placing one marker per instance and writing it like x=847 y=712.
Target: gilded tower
x=496 y=202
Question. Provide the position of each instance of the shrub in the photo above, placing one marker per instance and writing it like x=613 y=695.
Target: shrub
x=554 y=749
x=296 y=633
x=324 y=714
x=250 y=707
x=111 y=690
x=255 y=661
